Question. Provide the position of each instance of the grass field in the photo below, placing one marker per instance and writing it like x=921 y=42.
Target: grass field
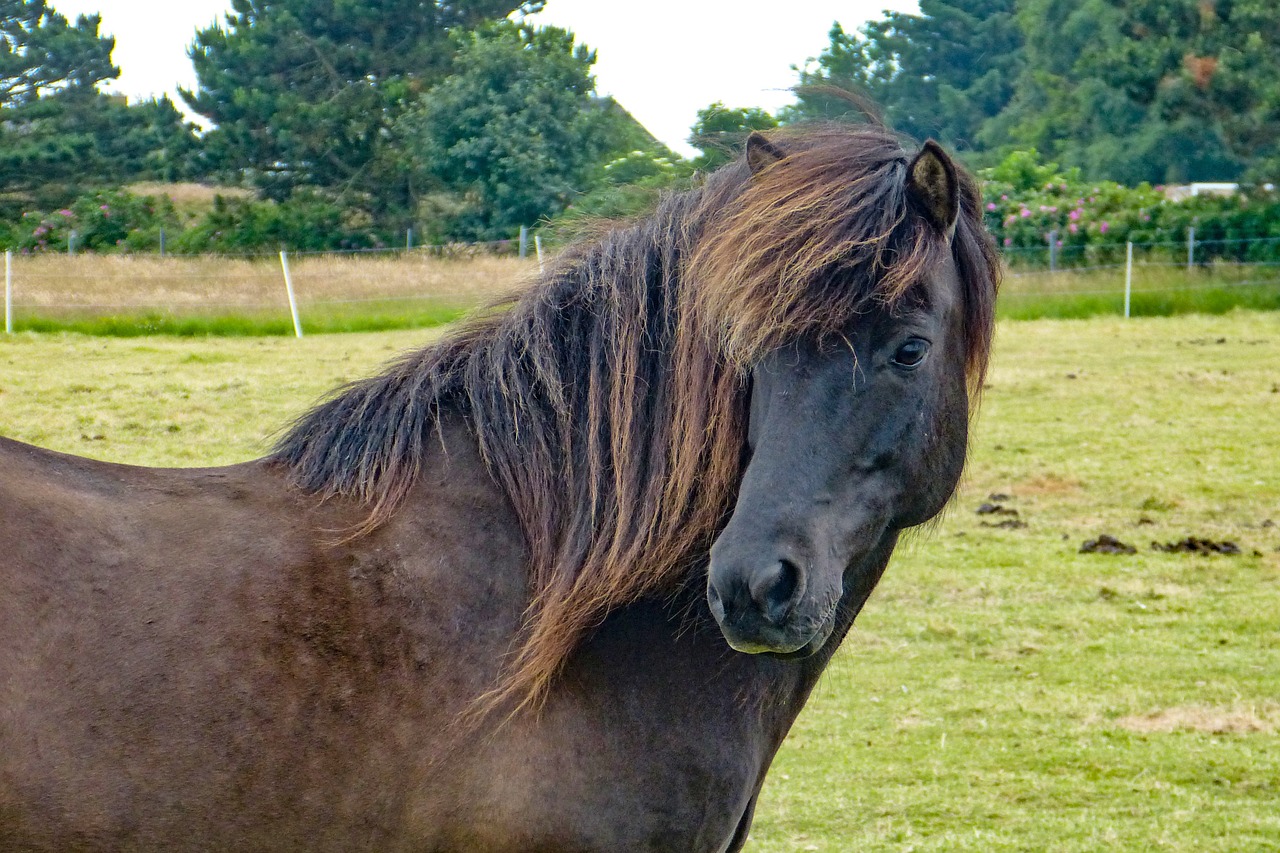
x=1002 y=690
x=136 y=295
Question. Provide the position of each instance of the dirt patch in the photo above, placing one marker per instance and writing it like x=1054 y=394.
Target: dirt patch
x=1107 y=544
x=1049 y=484
x=1195 y=545
x=1207 y=719
x=994 y=506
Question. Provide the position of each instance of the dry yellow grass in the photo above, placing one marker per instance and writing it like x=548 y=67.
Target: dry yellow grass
x=1238 y=719
x=182 y=194
x=131 y=282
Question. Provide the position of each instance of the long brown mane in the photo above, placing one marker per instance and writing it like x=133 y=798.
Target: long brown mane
x=609 y=400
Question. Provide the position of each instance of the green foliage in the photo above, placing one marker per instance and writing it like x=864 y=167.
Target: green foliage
x=55 y=148
x=1123 y=90
x=937 y=74
x=305 y=92
x=1027 y=200
x=625 y=188
x=305 y=222
x=510 y=135
x=110 y=220
x=41 y=53
x=58 y=135
x=720 y=132
x=1126 y=90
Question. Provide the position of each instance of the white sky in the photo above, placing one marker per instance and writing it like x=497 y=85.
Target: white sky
x=662 y=59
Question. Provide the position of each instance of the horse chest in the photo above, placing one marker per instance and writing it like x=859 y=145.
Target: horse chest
x=656 y=739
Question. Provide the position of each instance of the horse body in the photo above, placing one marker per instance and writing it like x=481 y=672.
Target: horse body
x=189 y=666
x=522 y=645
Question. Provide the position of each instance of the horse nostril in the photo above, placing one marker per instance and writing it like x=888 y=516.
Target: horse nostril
x=715 y=602
x=773 y=589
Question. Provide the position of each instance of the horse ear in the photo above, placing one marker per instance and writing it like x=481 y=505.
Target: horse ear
x=761 y=153
x=934 y=187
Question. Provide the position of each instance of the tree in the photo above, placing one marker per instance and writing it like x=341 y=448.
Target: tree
x=56 y=148
x=938 y=74
x=1148 y=90
x=512 y=134
x=59 y=136
x=304 y=92
x=719 y=132
x=41 y=53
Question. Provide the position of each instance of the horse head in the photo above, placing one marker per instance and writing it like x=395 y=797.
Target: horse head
x=852 y=437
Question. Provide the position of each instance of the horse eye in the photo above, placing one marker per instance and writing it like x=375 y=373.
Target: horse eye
x=911 y=353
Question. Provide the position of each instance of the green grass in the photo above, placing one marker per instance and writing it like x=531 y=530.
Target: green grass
x=1002 y=691
x=329 y=318
x=1157 y=291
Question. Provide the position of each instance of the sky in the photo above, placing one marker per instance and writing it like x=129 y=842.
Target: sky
x=663 y=60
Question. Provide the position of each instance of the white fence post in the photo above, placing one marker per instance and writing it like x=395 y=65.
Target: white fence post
x=1191 y=247
x=537 y=245
x=288 y=287
x=8 y=293
x=1128 y=276
x=524 y=241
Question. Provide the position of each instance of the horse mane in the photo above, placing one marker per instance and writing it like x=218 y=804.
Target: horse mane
x=609 y=400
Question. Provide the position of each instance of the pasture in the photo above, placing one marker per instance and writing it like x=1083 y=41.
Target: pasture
x=1002 y=690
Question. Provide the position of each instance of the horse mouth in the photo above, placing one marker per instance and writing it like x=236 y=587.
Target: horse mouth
x=788 y=642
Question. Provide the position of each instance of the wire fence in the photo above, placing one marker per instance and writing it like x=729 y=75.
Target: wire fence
x=428 y=284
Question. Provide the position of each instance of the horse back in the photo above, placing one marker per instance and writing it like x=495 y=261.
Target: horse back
x=189 y=655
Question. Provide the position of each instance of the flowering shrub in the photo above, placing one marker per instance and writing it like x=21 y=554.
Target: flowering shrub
x=1027 y=201
x=101 y=221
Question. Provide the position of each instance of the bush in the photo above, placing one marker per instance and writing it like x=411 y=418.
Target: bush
x=104 y=221
x=303 y=223
x=1026 y=201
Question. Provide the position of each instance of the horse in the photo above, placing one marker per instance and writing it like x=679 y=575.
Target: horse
x=560 y=581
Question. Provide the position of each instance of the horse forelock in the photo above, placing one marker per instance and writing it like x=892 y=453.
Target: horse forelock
x=609 y=400
x=809 y=243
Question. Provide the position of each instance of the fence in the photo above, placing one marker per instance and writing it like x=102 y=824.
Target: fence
x=256 y=293
x=1141 y=277
x=293 y=292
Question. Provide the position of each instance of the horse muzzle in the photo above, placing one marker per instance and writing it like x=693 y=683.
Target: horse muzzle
x=770 y=605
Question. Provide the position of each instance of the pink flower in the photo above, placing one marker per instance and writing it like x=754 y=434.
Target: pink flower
x=1104 y=227
x=1004 y=198
x=64 y=213
x=1008 y=241
x=1075 y=214
x=1025 y=213
x=991 y=205
x=1073 y=228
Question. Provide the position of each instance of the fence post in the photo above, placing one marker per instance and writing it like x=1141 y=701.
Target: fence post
x=524 y=241
x=1128 y=276
x=408 y=240
x=288 y=288
x=1191 y=247
x=537 y=246
x=8 y=292
x=1053 y=251
x=162 y=242
x=71 y=242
